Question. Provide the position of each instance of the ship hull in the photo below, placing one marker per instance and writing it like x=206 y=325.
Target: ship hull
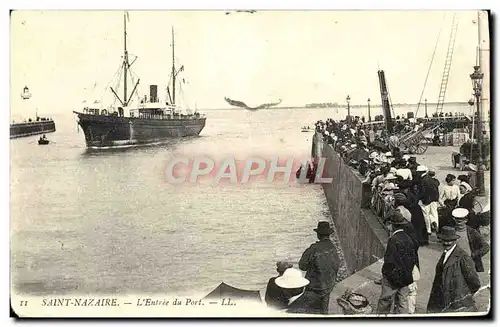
x=103 y=132
x=32 y=128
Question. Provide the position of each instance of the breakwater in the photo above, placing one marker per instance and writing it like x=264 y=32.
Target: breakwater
x=361 y=235
x=32 y=128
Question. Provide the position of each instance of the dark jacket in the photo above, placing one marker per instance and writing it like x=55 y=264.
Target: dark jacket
x=275 y=296
x=321 y=263
x=458 y=284
x=429 y=190
x=478 y=247
x=467 y=201
x=399 y=259
x=309 y=302
x=410 y=230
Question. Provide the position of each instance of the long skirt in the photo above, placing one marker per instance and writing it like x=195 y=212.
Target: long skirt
x=418 y=222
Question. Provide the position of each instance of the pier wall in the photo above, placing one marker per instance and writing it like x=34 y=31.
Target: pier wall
x=361 y=235
x=32 y=128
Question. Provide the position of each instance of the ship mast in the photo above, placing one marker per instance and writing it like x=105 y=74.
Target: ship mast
x=173 y=67
x=125 y=60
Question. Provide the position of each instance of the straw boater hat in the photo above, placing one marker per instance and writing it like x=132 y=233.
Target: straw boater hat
x=390 y=176
x=323 y=228
x=460 y=213
x=390 y=187
x=292 y=278
x=448 y=234
x=421 y=168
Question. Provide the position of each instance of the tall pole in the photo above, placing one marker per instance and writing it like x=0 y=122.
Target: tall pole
x=348 y=99
x=477 y=77
x=369 y=114
x=125 y=60
x=480 y=170
x=425 y=109
x=484 y=63
x=173 y=67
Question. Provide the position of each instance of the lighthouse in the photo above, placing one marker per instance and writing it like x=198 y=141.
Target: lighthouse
x=26 y=93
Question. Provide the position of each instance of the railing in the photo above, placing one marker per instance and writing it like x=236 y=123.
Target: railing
x=135 y=114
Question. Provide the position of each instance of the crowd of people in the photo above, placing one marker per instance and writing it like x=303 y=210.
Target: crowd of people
x=412 y=204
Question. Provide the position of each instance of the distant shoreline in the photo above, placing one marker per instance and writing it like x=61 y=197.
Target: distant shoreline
x=422 y=105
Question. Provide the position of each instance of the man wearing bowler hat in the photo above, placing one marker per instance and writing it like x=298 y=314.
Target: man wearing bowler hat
x=456 y=280
x=321 y=263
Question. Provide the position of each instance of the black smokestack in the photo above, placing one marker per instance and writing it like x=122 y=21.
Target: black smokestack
x=153 y=93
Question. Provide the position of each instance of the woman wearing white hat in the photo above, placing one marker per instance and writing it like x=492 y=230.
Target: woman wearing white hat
x=299 y=300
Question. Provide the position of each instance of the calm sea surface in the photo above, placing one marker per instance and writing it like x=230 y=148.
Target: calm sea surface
x=108 y=222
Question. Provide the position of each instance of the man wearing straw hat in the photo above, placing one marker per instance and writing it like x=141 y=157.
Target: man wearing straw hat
x=275 y=296
x=321 y=263
x=400 y=260
x=300 y=300
x=456 y=280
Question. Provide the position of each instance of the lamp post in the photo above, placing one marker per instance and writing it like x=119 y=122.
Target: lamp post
x=426 y=116
x=471 y=104
x=369 y=114
x=348 y=99
x=477 y=79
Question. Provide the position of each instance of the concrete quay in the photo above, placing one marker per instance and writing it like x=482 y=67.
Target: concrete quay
x=362 y=279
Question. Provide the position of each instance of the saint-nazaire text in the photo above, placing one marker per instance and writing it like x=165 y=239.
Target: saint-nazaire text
x=80 y=302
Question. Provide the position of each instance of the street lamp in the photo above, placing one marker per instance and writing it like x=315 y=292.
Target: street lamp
x=426 y=116
x=348 y=99
x=477 y=80
x=471 y=104
x=369 y=114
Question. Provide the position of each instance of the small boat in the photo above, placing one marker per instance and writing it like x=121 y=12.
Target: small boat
x=306 y=129
x=43 y=140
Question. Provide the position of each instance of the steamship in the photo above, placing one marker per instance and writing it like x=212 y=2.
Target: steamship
x=150 y=122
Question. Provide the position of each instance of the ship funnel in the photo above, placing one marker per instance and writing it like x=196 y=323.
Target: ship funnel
x=153 y=93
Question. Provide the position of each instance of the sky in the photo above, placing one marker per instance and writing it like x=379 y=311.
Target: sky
x=66 y=57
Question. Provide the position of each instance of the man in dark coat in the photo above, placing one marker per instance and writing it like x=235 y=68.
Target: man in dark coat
x=456 y=280
x=429 y=195
x=275 y=295
x=417 y=217
x=471 y=241
x=321 y=263
x=397 y=271
x=299 y=300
